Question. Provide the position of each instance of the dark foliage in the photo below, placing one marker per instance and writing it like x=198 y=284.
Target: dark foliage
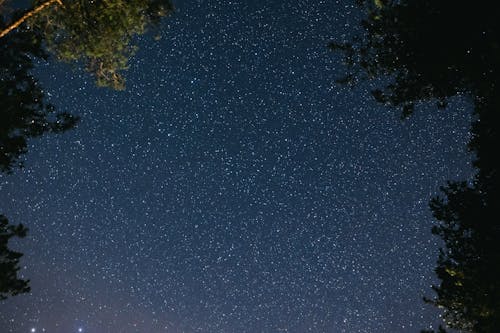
x=23 y=112
x=10 y=284
x=431 y=50
x=426 y=49
x=469 y=266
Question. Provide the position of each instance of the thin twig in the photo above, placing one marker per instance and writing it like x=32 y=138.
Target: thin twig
x=28 y=15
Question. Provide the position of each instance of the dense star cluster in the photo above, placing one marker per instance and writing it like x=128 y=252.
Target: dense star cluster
x=233 y=187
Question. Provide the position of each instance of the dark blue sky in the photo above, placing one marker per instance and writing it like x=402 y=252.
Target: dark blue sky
x=233 y=187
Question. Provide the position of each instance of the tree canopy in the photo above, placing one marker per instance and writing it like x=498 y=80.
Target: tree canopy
x=98 y=34
x=425 y=50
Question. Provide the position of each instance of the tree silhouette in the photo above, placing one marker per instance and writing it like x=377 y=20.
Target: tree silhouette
x=24 y=113
x=423 y=50
x=10 y=284
x=469 y=267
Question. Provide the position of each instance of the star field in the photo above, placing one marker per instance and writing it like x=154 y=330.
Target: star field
x=233 y=187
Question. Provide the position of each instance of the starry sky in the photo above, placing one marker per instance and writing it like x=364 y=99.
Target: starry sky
x=233 y=187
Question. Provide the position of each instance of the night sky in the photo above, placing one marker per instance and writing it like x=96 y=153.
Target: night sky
x=233 y=187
